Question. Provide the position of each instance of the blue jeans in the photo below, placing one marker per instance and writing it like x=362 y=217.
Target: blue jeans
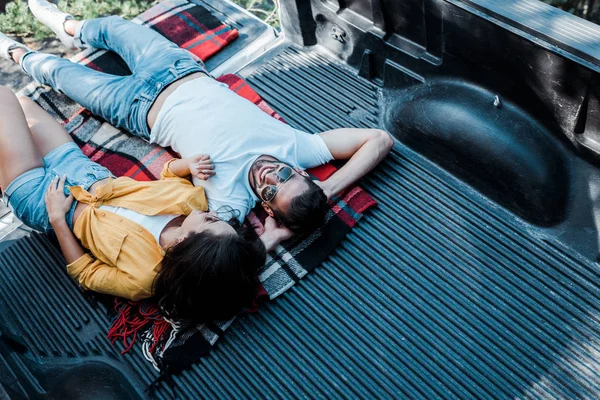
x=124 y=101
x=26 y=192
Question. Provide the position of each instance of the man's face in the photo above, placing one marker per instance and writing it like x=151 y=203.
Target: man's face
x=268 y=171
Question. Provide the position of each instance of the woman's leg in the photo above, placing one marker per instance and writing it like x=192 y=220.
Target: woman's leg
x=24 y=174
x=46 y=132
x=18 y=153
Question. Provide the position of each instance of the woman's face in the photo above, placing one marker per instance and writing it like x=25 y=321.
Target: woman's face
x=201 y=221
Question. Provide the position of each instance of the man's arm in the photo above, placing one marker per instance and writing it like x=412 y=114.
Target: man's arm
x=363 y=148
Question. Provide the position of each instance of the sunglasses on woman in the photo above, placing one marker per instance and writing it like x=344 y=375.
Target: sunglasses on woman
x=283 y=175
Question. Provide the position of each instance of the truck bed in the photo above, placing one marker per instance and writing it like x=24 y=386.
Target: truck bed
x=437 y=293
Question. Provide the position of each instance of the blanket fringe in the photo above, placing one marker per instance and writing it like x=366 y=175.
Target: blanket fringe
x=134 y=318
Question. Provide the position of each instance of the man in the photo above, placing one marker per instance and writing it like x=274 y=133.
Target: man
x=170 y=99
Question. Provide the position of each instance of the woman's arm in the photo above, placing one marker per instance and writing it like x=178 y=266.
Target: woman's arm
x=201 y=166
x=69 y=244
x=93 y=274
x=57 y=206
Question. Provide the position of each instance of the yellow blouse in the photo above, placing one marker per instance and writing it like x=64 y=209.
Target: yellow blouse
x=126 y=257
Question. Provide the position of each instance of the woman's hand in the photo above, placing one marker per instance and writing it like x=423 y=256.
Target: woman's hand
x=57 y=204
x=274 y=233
x=201 y=166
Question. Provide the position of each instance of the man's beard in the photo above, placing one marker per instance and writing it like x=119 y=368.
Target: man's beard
x=256 y=165
x=254 y=168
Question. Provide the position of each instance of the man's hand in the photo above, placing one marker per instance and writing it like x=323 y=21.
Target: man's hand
x=274 y=234
x=57 y=204
x=325 y=187
x=200 y=166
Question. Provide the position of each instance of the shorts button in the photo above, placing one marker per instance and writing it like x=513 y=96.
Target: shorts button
x=158 y=85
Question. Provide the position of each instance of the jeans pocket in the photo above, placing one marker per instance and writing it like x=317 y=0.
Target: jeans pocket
x=88 y=175
x=138 y=112
x=187 y=66
x=95 y=173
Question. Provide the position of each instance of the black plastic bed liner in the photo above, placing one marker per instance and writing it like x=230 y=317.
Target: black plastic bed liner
x=437 y=293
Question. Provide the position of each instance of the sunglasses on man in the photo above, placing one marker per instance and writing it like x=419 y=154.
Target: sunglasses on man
x=283 y=175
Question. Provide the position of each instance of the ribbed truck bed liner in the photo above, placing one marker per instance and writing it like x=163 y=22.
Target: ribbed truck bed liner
x=437 y=293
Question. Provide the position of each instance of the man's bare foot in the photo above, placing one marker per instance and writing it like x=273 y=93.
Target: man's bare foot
x=71 y=26
x=10 y=47
x=17 y=54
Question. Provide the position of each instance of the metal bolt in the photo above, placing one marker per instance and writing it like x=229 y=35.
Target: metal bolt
x=497 y=102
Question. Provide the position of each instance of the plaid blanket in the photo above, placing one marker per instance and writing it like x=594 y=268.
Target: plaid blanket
x=171 y=345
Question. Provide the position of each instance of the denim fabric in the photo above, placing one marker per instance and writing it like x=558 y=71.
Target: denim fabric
x=26 y=193
x=124 y=101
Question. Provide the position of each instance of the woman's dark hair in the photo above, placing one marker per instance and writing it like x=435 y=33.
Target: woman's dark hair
x=209 y=277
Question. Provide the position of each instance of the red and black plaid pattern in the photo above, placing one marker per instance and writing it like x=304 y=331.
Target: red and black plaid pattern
x=189 y=26
x=192 y=27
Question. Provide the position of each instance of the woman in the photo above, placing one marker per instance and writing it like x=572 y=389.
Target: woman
x=145 y=238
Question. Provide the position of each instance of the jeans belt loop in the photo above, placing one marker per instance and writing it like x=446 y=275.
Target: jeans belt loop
x=146 y=96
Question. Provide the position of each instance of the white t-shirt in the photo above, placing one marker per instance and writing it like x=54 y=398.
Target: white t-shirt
x=204 y=116
x=153 y=223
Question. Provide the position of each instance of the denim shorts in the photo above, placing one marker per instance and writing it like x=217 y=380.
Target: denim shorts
x=26 y=192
